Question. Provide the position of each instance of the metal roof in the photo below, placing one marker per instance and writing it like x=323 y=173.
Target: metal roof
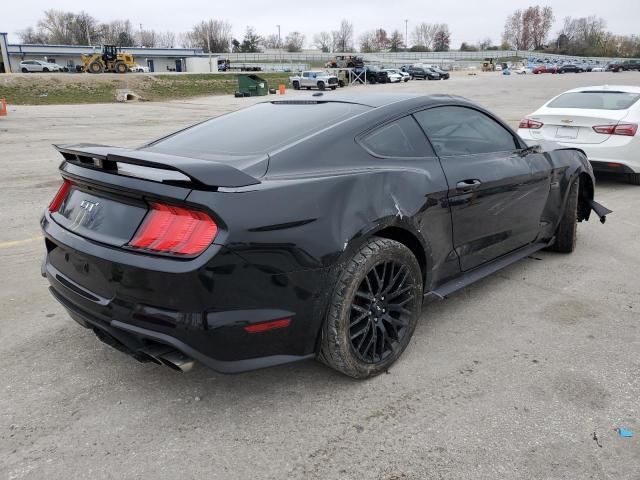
x=32 y=49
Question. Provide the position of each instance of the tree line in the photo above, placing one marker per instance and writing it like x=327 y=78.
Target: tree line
x=525 y=29
x=530 y=29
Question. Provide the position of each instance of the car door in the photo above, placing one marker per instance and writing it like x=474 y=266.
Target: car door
x=497 y=188
x=419 y=193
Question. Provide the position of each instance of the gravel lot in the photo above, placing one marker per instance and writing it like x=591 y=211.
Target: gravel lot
x=514 y=377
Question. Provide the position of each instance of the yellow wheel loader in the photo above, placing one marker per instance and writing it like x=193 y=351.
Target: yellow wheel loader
x=110 y=60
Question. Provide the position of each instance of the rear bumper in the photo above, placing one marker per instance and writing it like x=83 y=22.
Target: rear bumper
x=200 y=311
x=135 y=340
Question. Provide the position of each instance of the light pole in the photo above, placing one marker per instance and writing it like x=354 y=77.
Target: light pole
x=406 y=34
x=279 y=41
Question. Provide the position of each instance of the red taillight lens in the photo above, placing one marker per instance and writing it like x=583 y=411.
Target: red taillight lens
x=624 y=129
x=532 y=124
x=266 y=326
x=176 y=230
x=60 y=196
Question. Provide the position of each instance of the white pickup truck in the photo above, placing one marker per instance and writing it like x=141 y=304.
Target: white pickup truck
x=314 y=79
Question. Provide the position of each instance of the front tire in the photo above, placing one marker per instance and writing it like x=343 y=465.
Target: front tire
x=321 y=85
x=296 y=85
x=374 y=309
x=567 y=231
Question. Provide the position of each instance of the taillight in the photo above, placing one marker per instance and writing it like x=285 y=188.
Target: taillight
x=63 y=191
x=175 y=230
x=532 y=124
x=624 y=129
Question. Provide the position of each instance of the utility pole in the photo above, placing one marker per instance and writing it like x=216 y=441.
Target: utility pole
x=406 y=35
x=209 y=48
x=279 y=41
x=141 y=35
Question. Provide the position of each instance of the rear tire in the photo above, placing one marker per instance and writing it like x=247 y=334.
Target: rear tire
x=296 y=85
x=567 y=231
x=45 y=69
x=633 y=178
x=374 y=309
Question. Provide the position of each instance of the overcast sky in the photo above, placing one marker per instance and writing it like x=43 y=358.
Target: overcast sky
x=469 y=21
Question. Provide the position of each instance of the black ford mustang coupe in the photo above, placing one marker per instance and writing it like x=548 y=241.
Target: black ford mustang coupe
x=306 y=228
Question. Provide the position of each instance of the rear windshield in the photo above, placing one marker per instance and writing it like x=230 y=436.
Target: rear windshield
x=261 y=128
x=595 y=100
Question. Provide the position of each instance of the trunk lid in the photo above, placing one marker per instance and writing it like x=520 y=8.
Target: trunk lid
x=575 y=125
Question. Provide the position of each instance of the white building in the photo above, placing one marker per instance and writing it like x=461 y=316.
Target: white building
x=157 y=59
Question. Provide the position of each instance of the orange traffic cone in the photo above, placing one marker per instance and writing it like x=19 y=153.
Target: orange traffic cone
x=3 y=107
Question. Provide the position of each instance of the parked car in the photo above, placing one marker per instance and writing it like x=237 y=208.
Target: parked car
x=30 y=66
x=544 y=69
x=314 y=79
x=444 y=75
x=140 y=69
x=376 y=74
x=521 y=70
x=570 y=68
x=423 y=73
x=598 y=68
x=602 y=121
x=629 y=65
x=396 y=75
x=300 y=229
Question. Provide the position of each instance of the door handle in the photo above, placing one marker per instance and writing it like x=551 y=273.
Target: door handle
x=468 y=185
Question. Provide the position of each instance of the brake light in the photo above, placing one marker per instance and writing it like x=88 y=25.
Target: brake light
x=266 y=326
x=531 y=124
x=624 y=129
x=176 y=230
x=63 y=191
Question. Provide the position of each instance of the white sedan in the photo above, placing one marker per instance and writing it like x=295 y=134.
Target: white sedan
x=397 y=75
x=601 y=121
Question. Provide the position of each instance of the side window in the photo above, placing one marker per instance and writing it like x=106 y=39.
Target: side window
x=464 y=131
x=400 y=138
x=305 y=74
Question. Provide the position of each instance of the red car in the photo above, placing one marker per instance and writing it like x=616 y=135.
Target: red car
x=544 y=69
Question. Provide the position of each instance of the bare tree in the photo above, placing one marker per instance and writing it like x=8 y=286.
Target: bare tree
x=381 y=39
x=57 y=27
x=442 y=38
x=30 y=36
x=396 y=41
x=529 y=28
x=423 y=34
x=118 y=32
x=367 y=42
x=210 y=35
x=271 y=41
x=485 y=43
x=85 y=29
x=294 y=42
x=513 y=30
x=323 y=41
x=166 y=39
x=147 y=38
x=343 y=37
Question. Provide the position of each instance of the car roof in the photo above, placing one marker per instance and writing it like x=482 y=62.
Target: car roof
x=604 y=88
x=376 y=100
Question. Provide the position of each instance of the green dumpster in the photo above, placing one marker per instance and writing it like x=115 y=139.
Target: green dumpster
x=252 y=86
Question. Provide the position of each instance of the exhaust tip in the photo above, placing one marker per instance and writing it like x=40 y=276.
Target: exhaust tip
x=177 y=361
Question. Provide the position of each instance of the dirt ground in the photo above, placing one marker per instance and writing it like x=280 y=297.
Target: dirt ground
x=524 y=375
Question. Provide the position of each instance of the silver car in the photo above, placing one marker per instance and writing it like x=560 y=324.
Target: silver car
x=39 y=66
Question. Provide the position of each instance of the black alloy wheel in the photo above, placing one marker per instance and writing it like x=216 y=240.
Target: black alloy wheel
x=381 y=311
x=374 y=309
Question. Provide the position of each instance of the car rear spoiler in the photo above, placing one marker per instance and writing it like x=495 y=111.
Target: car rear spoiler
x=205 y=173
